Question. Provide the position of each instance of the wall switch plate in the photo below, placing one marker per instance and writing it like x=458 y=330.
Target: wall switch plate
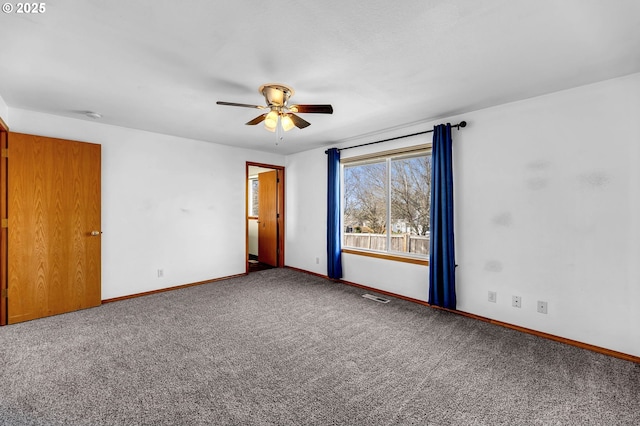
x=542 y=307
x=516 y=301
x=492 y=296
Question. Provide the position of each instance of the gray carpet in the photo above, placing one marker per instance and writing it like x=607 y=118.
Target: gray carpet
x=280 y=347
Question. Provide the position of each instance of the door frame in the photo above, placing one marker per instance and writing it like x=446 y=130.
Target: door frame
x=281 y=212
x=4 y=144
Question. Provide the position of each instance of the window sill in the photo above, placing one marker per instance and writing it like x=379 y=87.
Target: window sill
x=388 y=256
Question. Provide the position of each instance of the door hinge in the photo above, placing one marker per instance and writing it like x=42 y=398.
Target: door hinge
x=4 y=152
x=5 y=223
x=3 y=293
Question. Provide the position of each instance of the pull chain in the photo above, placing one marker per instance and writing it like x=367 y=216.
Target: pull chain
x=279 y=131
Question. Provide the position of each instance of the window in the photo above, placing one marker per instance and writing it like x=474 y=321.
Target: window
x=253 y=197
x=387 y=202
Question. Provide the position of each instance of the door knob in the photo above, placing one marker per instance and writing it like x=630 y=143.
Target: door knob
x=95 y=233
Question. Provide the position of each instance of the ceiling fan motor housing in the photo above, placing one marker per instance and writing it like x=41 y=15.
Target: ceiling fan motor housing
x=276 y=94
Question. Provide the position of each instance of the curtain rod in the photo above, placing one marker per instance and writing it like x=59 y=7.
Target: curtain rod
x=457 y=126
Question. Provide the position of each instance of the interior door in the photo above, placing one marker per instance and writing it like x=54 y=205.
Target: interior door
x=54 y=226
x=268 y=218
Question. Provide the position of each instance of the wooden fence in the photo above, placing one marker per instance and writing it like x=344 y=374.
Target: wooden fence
x=404 y=243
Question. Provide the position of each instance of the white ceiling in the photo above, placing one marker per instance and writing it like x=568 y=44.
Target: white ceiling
x=161 y=65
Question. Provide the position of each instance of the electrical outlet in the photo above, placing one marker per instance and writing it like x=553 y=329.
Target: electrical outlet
x=542 y=307
x=317 y=260
x=516 y=302
x=492 y=296
x=160 y=273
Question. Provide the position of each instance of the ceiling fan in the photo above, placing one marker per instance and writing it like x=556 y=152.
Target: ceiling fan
x=277 y=99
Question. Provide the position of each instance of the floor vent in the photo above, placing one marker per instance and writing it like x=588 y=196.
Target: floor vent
x=376 y=298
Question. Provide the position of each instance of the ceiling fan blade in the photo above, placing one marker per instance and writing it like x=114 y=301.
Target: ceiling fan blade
x=240 y=105
x=312 y=109
x=257 y=120
x=299 y=122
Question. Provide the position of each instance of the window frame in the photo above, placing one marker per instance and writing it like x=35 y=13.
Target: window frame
x=387 y=157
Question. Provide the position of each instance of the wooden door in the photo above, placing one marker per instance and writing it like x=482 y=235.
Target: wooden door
x=268 y=218
x=54 y=226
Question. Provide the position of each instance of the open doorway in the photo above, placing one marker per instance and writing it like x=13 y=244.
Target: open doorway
x=265 y=216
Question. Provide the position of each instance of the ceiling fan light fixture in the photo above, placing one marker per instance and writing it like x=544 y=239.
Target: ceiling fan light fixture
x=271 y=121
x=281 y=117
x=287 y=122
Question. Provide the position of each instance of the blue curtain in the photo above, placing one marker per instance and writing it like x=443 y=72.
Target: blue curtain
x=442 y=263
x=334 y=243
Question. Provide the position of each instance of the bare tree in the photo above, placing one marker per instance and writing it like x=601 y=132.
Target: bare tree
x=365 y=199
x=411 y=193
x=365 y=189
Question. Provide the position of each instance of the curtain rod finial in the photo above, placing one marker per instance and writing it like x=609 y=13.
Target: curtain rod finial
x=463 y=124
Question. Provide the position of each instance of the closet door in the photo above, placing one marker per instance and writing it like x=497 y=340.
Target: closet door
x=54 y=248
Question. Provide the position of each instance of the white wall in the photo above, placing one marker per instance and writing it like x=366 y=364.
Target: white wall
x=306 y=211
x=4 y=111
x=253 y=236
x=167 y=203
x=547 y=208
